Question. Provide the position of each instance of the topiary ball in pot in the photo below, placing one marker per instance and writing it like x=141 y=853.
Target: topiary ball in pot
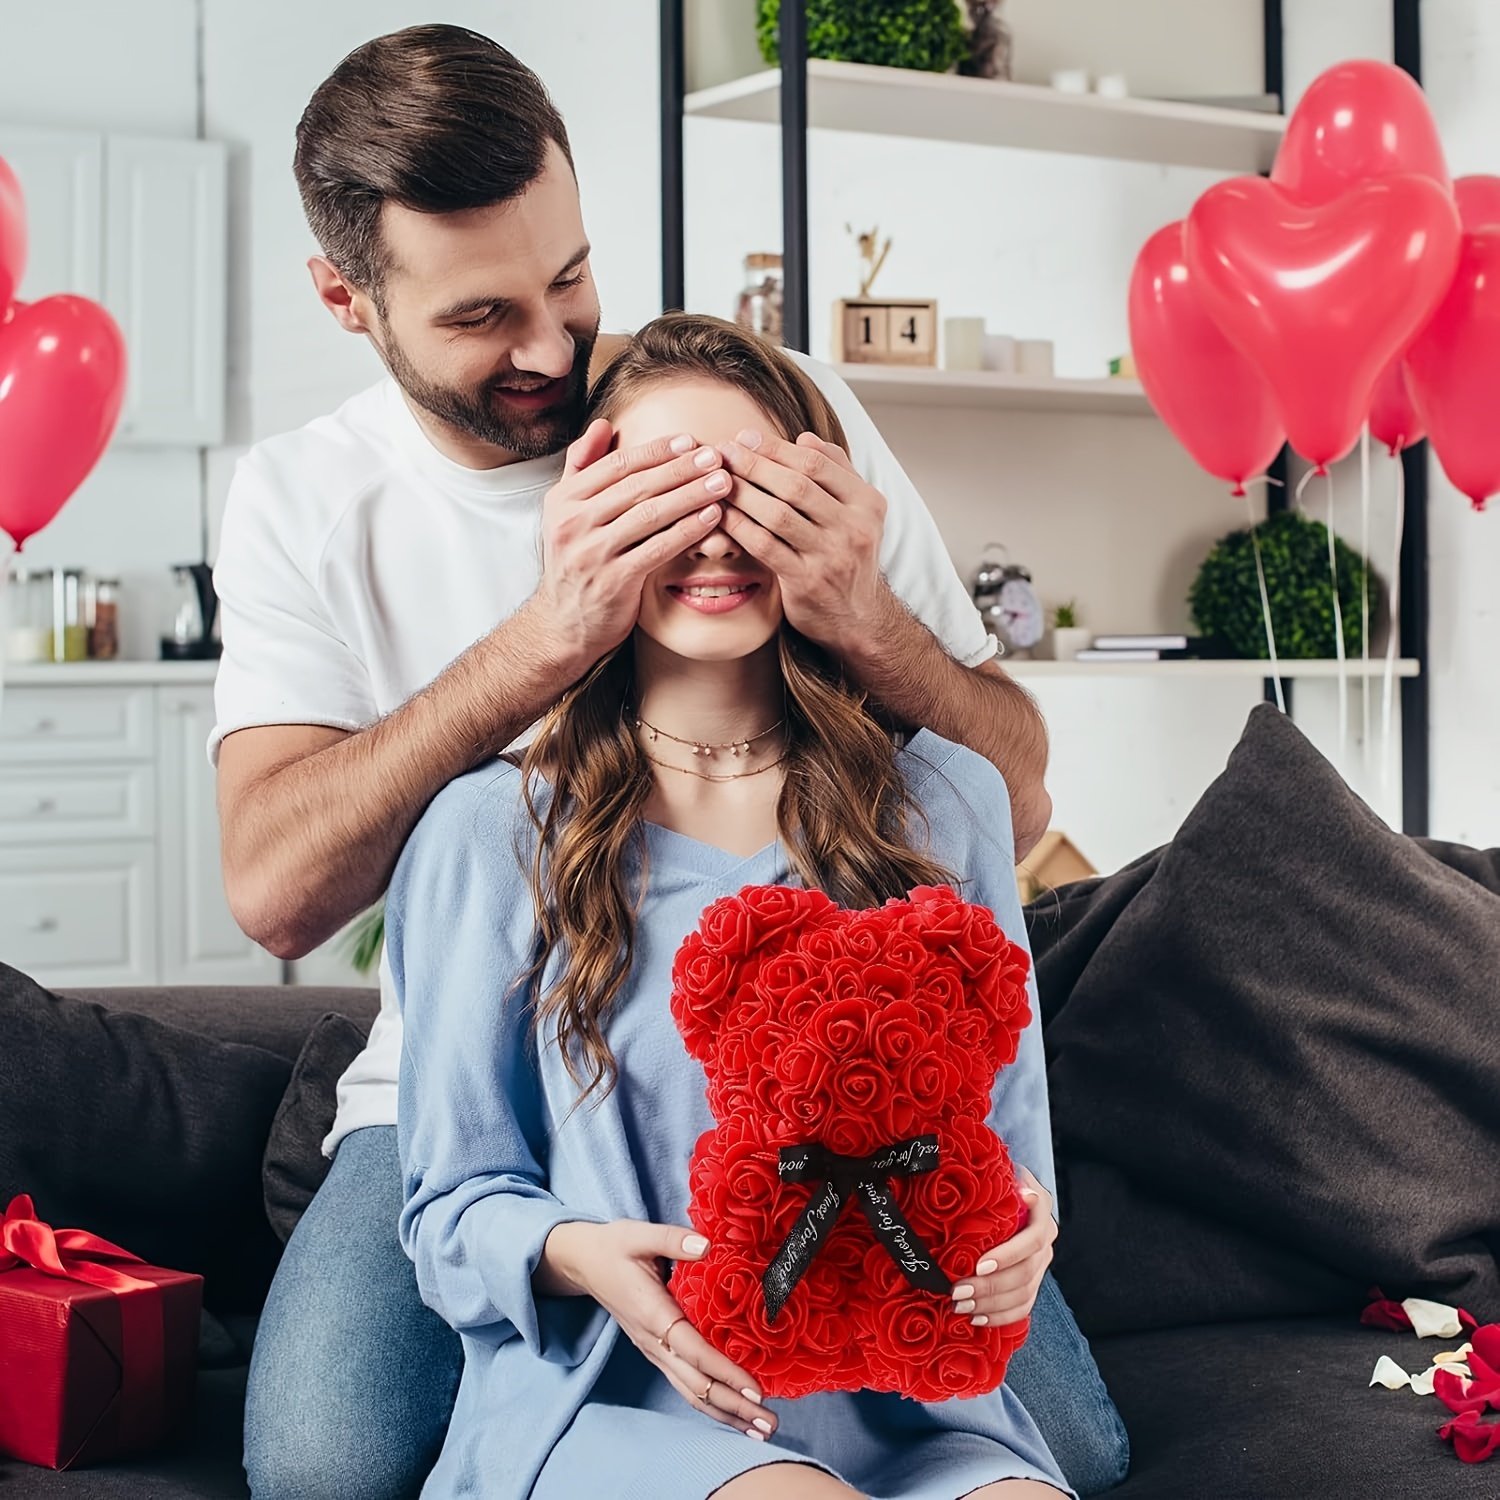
x=1225 y=596
x=927 y=35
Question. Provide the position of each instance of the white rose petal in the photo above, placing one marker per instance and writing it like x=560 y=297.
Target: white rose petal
x=1389 y=1374
x=1432 y=1320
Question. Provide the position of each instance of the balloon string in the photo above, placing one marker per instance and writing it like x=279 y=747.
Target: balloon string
x=1338 y=630
x=5 y=563
x=1265 y=602
x=1389 y=683
x=1364 y=596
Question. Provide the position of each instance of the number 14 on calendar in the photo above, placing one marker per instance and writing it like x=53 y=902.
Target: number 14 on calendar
x=885 y=331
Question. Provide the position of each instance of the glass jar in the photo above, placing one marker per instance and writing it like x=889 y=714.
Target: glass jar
x=28 y=613
x=70 y=636
x=760 y=303
x=102 y=615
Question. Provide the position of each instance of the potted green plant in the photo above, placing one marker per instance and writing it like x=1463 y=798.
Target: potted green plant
x=1066 y=638
x=1225 y=596
x=926 y=35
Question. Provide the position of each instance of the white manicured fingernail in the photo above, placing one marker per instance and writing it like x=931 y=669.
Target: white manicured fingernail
x=759 y=1437
x=682 y=444
x=694 y=1244
x=749 y=438
x=981 y=1321
x=716 y=483
x=984 y=1268
x=965 y=1307
x=706 y=458
x=764 y=1426
x=750 y=1395
x=960 y=1292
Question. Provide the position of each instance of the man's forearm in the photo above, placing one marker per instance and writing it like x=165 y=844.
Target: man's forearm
x=311 y=843
x=904 y=666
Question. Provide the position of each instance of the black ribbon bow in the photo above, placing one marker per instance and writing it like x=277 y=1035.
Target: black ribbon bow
x=864 y=1179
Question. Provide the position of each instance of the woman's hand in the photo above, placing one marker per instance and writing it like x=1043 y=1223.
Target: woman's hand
x=1007 y=1278
x=620 y=1266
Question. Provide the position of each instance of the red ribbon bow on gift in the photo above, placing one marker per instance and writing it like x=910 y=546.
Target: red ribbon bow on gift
x=70 y=1253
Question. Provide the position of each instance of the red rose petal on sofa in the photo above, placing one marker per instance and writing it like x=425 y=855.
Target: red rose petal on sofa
x=1460 y=1395
x=1486 y=1342
x=1473 y=1439
x=1384 y=1313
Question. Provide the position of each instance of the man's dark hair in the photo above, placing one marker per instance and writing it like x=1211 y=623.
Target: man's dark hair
x=435 y=118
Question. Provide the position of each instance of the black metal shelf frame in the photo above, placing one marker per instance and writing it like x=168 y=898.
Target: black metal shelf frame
x=1407 y=34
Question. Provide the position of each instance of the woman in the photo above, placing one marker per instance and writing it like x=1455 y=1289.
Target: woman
x=548 y=1106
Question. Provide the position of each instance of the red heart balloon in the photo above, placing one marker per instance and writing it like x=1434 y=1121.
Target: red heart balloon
x=1393 y=415
x=1478 y=200
x=1358 y=121
x=1322 y=297
x=1454 y=371
x=62 y=379
x=12 y=236
x=1216 y=402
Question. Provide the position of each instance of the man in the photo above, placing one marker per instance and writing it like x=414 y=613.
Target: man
x=409 y=584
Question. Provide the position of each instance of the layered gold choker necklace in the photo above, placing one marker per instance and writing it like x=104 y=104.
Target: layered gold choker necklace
x=735 y=747
x=708 y=751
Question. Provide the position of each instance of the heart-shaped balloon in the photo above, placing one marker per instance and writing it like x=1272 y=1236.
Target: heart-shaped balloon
x=1215 y=401
x=1393 y=414
x=1453 y=370
x=1478 y=200
x=62 y=379
x=1322 y=297
x=1358 y=121
x=12 y=236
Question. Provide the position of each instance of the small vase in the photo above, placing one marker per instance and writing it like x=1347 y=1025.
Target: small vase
x=1064 y=644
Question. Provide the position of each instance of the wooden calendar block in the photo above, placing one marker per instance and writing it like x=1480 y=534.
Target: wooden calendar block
x=887 y=331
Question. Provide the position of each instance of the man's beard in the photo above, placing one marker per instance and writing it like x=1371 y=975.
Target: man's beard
x=479 y=412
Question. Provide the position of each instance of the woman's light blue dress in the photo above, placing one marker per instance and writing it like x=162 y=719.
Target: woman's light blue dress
x=555 y=1403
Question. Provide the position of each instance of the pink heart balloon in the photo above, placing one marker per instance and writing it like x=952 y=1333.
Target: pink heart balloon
x=1215 y=401
x=12 y=236
x=1322 y=297
x=1358 y=121
x=1454 y=371
x=62 y=380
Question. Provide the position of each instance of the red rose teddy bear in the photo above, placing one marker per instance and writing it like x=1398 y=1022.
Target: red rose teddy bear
x=850 y=1055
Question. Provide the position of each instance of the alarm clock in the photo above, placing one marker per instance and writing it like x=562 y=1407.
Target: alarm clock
x=1008 y=603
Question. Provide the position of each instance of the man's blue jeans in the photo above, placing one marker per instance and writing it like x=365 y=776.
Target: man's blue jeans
x=353 y=1378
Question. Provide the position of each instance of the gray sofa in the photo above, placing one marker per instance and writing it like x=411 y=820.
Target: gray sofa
x=1275 y=1074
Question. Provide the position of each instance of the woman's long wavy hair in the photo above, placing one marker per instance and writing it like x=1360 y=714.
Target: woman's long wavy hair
x=844 y=810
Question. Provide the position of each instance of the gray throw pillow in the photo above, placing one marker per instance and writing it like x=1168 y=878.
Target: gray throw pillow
x=1281 y=1035
x=294 y=1165
x=144 y=1133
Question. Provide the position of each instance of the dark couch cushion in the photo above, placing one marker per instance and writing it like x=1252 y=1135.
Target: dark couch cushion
x=294 y=1166
x=277 y=1017
x=145 y=1133
x=1268 y=1411
x=1284 y=1030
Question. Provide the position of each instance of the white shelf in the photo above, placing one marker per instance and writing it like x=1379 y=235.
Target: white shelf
x=983 y=112
x=107 y=673
x=988 y=389
x=1356 y=668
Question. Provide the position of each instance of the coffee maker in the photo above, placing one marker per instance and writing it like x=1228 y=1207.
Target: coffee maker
x=194 y=607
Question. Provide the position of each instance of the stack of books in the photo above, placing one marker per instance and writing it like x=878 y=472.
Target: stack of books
x=1151 y=648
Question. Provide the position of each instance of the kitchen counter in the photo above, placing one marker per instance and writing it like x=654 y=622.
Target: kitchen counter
x=107 y=673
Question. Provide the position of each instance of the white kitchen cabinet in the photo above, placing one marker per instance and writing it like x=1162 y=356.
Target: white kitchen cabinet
x=201 y=943
x=139 y=224
x=109 y=834
x=165 y=254
x=61 y=173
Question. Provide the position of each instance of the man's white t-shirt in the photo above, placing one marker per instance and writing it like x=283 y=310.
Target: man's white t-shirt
x=356 y=562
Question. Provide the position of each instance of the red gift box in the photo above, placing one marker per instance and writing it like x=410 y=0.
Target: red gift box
x=98 y=1350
